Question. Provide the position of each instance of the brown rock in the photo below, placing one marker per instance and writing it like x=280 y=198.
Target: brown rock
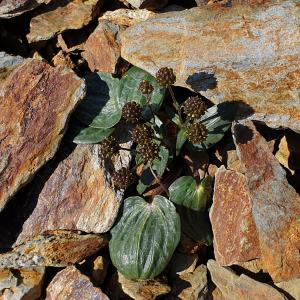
x=63 y=59
x=235 y=235
x=149 y=4
x=100 y=266
x=127 y=17
x=292 y=288
x=102 y=49
x=56 y=19
x=254 y=58
x=23 y=284
x=13 y=8
x=234 y=287
x=35 y=104
x=275 y=204
x=77 y=196
x=57 y=249
x=70 y=284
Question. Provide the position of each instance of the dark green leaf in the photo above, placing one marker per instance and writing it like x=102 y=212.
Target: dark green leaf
x=145 y=238
x=90 y=135
x=180 y=140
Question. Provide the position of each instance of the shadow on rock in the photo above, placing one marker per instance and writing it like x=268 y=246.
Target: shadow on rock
x=202 y=81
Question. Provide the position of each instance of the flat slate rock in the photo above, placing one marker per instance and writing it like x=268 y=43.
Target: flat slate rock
x=246 y=52
x=35 y=104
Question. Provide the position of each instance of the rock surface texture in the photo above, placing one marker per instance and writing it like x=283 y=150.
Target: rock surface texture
x=56 y=249
x=77 y=196
x=150 y=4
x=242 y=52
x=35 y=104
x=70 y=284
x=275 y=204
x=235 y=235
x=234 y=287
x=69 y=15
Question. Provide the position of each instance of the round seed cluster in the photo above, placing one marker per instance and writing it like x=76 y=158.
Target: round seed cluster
x=123 y=178
x=146 y=87
x=194 y=107
x=149 y=151
x=165 y=76
x=142 y=133
x=109 y=147
x=131 y=112
x=196 y=133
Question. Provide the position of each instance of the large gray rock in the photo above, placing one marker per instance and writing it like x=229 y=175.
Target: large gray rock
x=243 y=52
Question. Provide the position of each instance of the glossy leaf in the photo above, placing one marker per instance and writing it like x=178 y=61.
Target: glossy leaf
x=185 y=191
x=145 y=238
x=180 y=140
x=90 y=135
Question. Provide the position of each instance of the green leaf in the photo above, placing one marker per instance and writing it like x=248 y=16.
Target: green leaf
x=185 y=191
x=196 y=225
x=180 y=140
x=217 y=120
x=90 y=135
x=145 y=238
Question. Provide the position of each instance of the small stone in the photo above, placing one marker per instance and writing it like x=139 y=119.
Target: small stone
x=234 y=287
x=35 y=103
x=275 y=204
x=292 y=288
x=21 y=284
x=72 y=15
x=57 y=248
x=149 y=4
x=234 y=230
x=63 y=59
x=70 y=284
x=100 y=266
x=102 y=48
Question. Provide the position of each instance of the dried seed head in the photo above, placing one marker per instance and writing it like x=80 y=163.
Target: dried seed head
x=109 y=147
x=196 y=133
x=123 y=178
x=146 y=87
x=194 y=107
x=142 y=134
x=165 y=76
x=132 y=112
x=149 y=151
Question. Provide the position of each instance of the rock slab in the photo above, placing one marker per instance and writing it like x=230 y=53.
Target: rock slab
x=35 y=103
x=242 y=52
x=275 y=204
x=235 y=235
x=70 y=284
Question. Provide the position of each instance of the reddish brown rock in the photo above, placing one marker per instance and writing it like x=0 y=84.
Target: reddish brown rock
x=238 y=52
x=35 y=104
x=234 y=287
x=77 y=196
x=235 y=235
x=57 y=249
x=57 y=19
x=21 y=284
x=70 y=284
x=275 y=204
x=102 y=49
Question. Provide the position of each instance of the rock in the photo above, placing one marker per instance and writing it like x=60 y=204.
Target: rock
x=35 y=104
x=142 y=290
x=102 y=49
x=191 y=286
x=149 y=4
x=127 y=17
x=70 y=284
x=292 y=288
x=77 y=196
x=228 y=156
x=234 y=230
x=275 y=204
x=182 y=263
x=57 y=19
x=56 y=249
x=234 y=287
x=63 y=59
x=100 y=266
x=13 y=8
x=244 y=52
x=21 y=284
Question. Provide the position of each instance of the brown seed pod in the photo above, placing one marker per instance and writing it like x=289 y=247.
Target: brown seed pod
x=196 y=133
x=131 y=112
x=146 y=87
x=194 y=107
x=165 y=76
x=142 y=134
x=123 y=178
x=149 y=151
x=109 y=147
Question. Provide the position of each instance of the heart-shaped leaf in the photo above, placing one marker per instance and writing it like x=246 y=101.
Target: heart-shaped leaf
x=90 y=135
x=145 y=238
x=185 y=191
x=196 y=225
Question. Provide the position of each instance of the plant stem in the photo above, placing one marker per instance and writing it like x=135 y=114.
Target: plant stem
x=175 y=103
x=159 y=181
x=148 y=98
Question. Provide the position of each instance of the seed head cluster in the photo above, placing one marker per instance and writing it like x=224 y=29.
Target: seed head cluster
x=123 y=178
x=109 y=147
x=132 y=112
x=194 y=107
x=196 y=133
x=146 y=87
x=148 y=151
x=165 y=76
x=142 y=133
